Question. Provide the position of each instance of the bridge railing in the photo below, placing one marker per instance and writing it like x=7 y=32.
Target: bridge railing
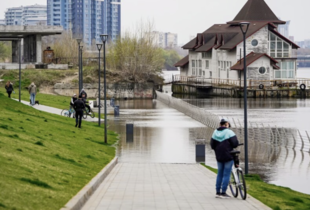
x=251 y=84
x=258 y=133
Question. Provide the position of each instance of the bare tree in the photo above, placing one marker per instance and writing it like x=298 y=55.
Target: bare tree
x=134 y=56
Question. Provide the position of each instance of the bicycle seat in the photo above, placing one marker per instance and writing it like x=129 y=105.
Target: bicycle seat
x=234 y=152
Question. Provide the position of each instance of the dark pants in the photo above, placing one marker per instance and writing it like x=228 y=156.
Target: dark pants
x=9 y=93
x=78 y=117
x=88 y=107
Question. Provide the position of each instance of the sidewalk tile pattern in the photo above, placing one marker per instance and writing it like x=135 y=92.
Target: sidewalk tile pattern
x=163 y=186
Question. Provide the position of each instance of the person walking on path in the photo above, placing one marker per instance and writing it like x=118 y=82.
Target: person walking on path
x=32 y=91
x=9 y=88
x=223 y=141
x=79 y=106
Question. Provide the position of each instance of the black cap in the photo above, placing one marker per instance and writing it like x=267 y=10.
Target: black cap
x=224 y=121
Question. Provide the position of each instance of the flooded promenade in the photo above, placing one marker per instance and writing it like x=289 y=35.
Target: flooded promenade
x=164 y=135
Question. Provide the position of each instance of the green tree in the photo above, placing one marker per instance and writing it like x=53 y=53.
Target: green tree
x=171 y=57
x=134 y=56
x=5 y=51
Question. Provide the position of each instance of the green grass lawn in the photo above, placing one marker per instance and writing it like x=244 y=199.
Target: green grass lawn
x=276 y=197
x=44 y=159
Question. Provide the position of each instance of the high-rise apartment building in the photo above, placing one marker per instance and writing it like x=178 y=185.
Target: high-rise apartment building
x=284 y=29
x=59 y=13
x=165 y=40
x=87 y=18
x=26 y=15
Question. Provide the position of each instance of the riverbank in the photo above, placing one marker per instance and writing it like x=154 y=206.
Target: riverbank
x=276 y=197
x=44 y=159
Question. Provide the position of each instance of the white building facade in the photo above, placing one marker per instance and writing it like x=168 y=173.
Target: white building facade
x=26 y=15
x=218 y=51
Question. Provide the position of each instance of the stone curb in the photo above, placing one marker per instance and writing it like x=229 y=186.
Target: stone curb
x=80 y=199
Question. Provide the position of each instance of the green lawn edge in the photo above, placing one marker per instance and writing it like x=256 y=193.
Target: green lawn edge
x=276 y=197
x=44 y=159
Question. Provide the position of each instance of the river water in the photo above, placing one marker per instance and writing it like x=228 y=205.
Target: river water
x=164 y=135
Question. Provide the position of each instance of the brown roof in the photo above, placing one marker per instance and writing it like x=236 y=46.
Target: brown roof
x=256 y=10
x=250 y=58
x=182 y=62
x=228 y=36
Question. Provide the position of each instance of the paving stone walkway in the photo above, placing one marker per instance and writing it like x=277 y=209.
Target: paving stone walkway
x=149 y=186
x=163 y=186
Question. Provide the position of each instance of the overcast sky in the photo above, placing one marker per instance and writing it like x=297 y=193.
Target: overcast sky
x=189 y=17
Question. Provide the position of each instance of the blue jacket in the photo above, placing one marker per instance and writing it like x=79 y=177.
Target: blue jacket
x=223 y=141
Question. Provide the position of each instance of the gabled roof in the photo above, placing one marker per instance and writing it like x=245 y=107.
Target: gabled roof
x=228 y=36
x=256 y=10
x=250 y=58
x=182 y=62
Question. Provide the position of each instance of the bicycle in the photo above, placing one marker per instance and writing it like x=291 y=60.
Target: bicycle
x=237 y=180
x=88 y=112
x=68 y=112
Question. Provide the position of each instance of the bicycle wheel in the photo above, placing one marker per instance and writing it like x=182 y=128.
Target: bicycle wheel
x=242 y=185
x=233 y=185
x=65 y=113
x=84 y=114
x=91 y=114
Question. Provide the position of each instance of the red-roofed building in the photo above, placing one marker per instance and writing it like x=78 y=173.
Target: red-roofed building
x=218 y=51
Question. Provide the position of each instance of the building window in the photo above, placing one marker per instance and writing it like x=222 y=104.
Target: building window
x=207 y=64
x=278 y=48
x=193 y=63
x=287 y=70
x=207 y=54
x=262 y=70
x=254 y=42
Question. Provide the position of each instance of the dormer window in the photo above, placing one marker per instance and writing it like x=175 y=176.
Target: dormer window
x=278 y=48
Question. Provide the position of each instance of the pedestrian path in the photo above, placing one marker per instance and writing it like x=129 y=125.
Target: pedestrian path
x=163 y=186
x=149 y=186
x=54 y=110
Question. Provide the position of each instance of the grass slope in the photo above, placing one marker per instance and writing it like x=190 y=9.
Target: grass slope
x=44 y=159
x=276 y=197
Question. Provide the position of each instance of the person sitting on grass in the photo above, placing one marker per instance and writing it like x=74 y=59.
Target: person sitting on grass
x=223 y=141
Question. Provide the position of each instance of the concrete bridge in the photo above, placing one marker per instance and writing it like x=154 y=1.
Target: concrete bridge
x=29 y=38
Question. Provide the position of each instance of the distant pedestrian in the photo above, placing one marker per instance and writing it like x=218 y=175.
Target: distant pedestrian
x=79 y=107
x=9 y=88
x=223 y=141
x=32 y=89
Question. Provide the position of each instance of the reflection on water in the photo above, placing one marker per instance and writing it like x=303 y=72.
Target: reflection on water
x=288 y=113
x=164 y=135
x=160 y=134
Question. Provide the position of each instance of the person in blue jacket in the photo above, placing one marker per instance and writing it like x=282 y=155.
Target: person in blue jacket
x=223 y=141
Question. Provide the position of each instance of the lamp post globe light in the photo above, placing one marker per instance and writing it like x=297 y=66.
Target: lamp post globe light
x=244 y=26
x=79 y=63
x=104 y=38
x=99 y=47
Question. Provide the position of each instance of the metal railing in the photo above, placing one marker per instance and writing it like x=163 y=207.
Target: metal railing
x=267 y=84
x=258 y=133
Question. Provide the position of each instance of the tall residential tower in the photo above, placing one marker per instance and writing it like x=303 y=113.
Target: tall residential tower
x=87 y=18
x=26 y=15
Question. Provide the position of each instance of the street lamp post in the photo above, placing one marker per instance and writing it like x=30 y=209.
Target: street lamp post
x=79 y=62
x=104 y=38
x=20 y=67
x=99 y=47
x=244 y=26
